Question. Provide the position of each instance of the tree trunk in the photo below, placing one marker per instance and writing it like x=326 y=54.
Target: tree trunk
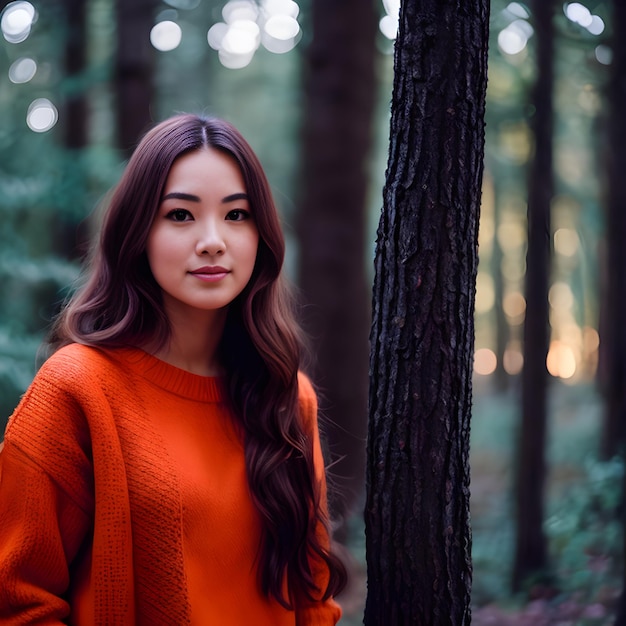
x=340 y=91
x=530 y=548
x=614 y=431
x=134 y=69
x=418 y=532
x=614 y=341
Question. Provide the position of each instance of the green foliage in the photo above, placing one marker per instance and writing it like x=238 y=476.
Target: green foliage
x=585 y=530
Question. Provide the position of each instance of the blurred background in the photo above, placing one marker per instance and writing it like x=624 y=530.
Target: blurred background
x=80 y=81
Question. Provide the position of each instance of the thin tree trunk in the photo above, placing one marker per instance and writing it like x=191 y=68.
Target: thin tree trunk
x=134 y=69
x=614 y=341
x=418 y=532
x=530 y=548
x=340 y=88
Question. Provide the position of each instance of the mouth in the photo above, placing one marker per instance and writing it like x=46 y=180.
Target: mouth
x=210 y=273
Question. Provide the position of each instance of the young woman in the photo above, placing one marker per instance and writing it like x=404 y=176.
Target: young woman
x=164 y=467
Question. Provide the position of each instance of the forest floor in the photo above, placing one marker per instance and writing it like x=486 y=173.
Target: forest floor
x=582 y=526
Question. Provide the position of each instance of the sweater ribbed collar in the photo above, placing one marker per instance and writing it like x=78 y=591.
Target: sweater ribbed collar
x=169 y=377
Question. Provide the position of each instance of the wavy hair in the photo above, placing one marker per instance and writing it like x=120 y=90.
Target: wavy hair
x=261 y=349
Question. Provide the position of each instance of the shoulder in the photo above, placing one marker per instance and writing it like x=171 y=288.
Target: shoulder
x=74 y=364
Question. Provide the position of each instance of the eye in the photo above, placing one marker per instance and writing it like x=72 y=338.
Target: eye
x=179 y=215
x=238 y=215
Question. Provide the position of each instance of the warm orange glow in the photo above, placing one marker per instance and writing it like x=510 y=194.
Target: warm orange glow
x=485 y=361
x=513 y=361
x=561 y=361
x=514 y=306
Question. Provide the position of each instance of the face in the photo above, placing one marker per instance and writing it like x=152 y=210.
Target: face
x=203 y=242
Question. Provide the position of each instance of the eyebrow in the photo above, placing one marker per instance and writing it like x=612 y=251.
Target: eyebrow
x=177 y=195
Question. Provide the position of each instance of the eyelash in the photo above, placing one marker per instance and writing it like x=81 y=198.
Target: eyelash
x=236 y=215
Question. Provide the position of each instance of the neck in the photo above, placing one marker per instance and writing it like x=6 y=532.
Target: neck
x=194 y=342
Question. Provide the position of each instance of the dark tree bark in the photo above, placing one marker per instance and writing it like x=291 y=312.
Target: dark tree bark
x=614 y=342
x=340 y=91
x=134 y=69
x=530 y=547
x=418 y=532
x=68 y=241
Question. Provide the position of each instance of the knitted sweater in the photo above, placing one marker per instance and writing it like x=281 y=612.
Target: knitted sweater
x=124 y=500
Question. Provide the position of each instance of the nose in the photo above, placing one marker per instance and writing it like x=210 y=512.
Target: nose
x=210 y=241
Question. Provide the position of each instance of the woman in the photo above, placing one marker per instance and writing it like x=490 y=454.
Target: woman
x=164 y=467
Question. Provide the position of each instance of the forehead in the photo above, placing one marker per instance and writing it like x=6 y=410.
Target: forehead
x=207 y=167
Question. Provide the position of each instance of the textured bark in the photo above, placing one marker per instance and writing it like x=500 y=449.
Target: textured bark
x=340 y=90
x=530 y=547
x=418 y=533
x=134 y=70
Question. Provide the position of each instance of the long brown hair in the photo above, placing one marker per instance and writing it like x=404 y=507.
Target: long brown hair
x=261 y=349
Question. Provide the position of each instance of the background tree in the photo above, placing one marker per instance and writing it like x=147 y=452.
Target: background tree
x=134 y=70
x=339 y=92
x=417 y=512
x=614 y=342
x=530 y=547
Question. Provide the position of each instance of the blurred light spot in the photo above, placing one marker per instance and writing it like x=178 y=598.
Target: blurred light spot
x=17 y=21
x=242 y=37
x=236 y=10
x=561 y=297
x=511 y=235
x=280 y=7
x=283 y=27
x=278 y=46
x=578 y=13
x=513 y=39
x=514 y=306
x=604 y=55
x=518 y=10
x=485 y=362
x=246 y=27
x=566 y=242
x=389 y=26
x=597 y=25
x=22 y=70
x=561 y=361
x=512 y=361
x=485 y=293
x=234 y=61
x=42 y=115
x=216 y=35
x=166 y=36
x=389 y=23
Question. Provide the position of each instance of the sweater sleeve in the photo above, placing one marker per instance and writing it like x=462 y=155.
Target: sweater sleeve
x=43 y=518
x=328 y=612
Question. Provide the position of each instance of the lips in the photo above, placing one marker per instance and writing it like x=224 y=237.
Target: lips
x=210 y=270
x=210 y=274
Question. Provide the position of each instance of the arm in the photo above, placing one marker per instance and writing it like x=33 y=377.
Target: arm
x=328 y=612
x=43 y=520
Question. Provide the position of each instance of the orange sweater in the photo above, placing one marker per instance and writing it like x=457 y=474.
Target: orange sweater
x=124 y=500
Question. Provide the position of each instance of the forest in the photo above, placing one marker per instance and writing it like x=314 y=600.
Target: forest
x=450 y=175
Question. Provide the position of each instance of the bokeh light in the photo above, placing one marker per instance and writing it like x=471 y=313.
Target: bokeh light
x=22 y=70
x=166 y=36
x=247 y=25
x=581 y=15
x=514 y=38
x=42 y=115
x=561 y=361
x=388 y=24
x=17 y=21
x=485 y=361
